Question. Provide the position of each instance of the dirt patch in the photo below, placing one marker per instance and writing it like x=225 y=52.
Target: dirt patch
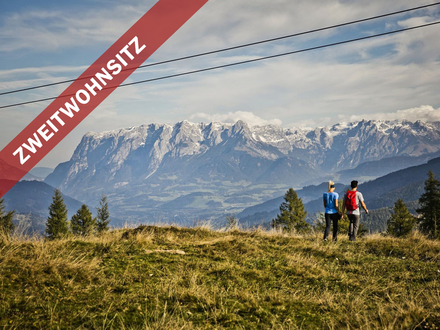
x=166 y=251
x=216 y=240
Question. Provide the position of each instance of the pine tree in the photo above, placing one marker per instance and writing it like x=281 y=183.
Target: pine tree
x=83 y=223
x=292 y=214
x=401 y=222
x=57 y=225
x=6 y=225
x=429 y=210
x=103 y=216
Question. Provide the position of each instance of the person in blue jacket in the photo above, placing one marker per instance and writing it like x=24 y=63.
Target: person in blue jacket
x=332 y=213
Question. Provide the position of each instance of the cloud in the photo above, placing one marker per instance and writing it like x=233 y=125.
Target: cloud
x=225 y=23
x=49 y=30
x=423 y=113
x=233 y=117
x=414 y=21
x=33 y=76
x=300 y=90
x=375 y=77
x=42 y=69
x=229 y=23
x=314 y=88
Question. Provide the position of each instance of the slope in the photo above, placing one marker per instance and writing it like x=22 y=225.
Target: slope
x=179 y=278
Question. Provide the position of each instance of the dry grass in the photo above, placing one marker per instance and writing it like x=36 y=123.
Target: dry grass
x=178 y=278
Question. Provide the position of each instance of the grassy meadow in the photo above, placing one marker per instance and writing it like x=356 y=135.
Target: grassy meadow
x=180 y=278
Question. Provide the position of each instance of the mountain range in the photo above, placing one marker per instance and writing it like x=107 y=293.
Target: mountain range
x=380 y=195
x=189 y=171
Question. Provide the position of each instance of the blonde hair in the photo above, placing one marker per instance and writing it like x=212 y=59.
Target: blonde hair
x=330 y=184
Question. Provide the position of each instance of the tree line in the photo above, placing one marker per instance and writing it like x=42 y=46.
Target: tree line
x=292 y=216
x=57 y=225
x=402 y=222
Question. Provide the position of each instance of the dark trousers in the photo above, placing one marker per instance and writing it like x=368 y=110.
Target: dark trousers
x=329 y=218
x=354 y=226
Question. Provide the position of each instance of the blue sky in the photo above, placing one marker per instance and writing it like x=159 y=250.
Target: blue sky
x=394 y=77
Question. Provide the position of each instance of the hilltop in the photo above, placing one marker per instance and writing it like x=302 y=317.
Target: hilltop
x=181 y=278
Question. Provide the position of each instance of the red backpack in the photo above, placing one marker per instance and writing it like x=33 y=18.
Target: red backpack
x=350 y=202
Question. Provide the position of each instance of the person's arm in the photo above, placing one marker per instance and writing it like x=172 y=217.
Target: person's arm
x=361 y=199
x=364 y=207
x=325 y=202
x=343 y=205
x=337 y=205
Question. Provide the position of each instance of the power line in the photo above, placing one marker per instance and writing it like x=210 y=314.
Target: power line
x=242 y=62
x=237 y=47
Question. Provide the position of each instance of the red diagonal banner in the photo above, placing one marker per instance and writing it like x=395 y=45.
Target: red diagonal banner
x=92 y=87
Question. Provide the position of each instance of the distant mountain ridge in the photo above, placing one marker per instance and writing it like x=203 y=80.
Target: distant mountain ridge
x=148 y=166
x=370 y=170
x=35 y=197
x=31 y=200
x=383 y=192
x=38 y=174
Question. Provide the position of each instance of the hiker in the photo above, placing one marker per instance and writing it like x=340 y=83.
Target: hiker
x=352 y=199
x=332 y=213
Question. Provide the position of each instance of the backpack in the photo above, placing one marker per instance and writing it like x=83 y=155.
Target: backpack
x=350 y=202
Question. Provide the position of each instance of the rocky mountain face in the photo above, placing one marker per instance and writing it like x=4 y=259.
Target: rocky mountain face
x=225 y=166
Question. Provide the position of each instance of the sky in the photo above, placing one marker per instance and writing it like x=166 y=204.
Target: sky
x=387 y=78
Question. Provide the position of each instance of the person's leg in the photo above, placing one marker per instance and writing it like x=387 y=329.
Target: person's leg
x=328 y=223
x=350 y=226
x=335 y=226
x=355 y=226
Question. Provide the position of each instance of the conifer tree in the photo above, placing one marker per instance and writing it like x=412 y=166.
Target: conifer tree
x=292 y=214
x=103 y=215
x=56 y=224
x=83 y=223
x=429 y=210
x=401 y=222
x=6 y=225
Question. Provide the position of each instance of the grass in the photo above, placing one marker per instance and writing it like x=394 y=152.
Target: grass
x=180 y=278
